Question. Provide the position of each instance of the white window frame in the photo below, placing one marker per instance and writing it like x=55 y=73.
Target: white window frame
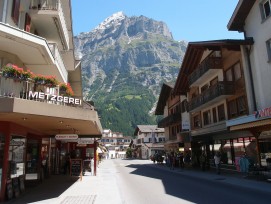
x=268 y=47
x=263 y=10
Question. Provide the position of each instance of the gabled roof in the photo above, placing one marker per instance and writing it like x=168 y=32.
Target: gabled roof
x=164 y=94
x=238 y=18
x=148 y=129
x=194 y=54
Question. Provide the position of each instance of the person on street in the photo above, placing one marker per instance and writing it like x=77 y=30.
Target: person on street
x=217 y=159
x=244 y=164
x=202 y=160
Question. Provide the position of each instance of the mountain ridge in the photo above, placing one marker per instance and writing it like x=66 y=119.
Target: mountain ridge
x=124 y=62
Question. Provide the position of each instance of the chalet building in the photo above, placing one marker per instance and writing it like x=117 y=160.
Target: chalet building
x=42 y=112
x=149 y=139
x=115 y=143
x=253 y=18
x=212 y=77
x=170 y=106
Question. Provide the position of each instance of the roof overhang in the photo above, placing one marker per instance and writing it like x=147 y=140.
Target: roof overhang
x=163 y=97
x=238 y=18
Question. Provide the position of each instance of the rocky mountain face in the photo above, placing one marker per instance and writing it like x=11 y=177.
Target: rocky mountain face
x=124 y=62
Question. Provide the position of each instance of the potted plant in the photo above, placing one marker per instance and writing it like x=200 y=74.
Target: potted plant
x=39 y=79
x=66 y=89
x=51 y=81
x=11 y=71
x=25 y=75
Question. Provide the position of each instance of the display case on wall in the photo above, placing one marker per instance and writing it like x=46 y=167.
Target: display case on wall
x=16 y=159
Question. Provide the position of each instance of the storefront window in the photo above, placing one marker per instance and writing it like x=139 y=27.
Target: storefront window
x=32 y=159
x=2 y=145
x=265 y=147
x=16 y=156
x=233 y=149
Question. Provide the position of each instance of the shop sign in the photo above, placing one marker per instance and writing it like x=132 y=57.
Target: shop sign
x=185 y=125
x=66 y=137
x=52 y=97
x=16 y=143
x=263 y=113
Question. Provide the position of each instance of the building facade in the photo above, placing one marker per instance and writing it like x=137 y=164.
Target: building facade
x=42 y=113
x=212 y=78
x=115 y=143
x=149 y=139
x=253 y=18
x=171 y=107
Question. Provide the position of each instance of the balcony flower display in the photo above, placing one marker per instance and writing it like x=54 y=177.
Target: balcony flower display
x=11 y=71
x=66 y=89
x=25 y=75
x=39 y=79
x=51 y=81
x=15 y=72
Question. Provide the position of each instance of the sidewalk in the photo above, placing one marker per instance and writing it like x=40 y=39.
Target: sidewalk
x=227 y=177
x=92 y=189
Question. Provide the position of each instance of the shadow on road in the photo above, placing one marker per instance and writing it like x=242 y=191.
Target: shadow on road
x=195 y=189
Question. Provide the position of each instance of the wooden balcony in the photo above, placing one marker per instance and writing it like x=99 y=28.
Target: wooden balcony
x=171 y=119
x=212 y=95
x=208 y=67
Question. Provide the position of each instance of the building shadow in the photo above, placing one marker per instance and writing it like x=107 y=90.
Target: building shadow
x=49 y=188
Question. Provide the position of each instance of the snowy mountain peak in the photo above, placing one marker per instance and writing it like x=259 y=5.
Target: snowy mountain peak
x=114 y=19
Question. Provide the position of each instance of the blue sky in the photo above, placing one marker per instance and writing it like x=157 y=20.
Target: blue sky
x=188 y=20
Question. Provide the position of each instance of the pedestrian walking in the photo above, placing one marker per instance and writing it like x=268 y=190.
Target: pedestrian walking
x=181 y=160
x=244 y=164
x=217 y=159
x=202 y=160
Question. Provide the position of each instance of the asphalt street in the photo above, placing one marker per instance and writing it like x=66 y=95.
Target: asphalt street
x=142 y=182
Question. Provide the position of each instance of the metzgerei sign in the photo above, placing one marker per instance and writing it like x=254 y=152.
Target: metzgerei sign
x=52 y=97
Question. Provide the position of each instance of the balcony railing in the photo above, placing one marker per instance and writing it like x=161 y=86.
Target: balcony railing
x=44 y=4
x=15 y=88
x=220 y=89
x=205 y=66
x=57 y=56
x=52 y=5
x=171 y=119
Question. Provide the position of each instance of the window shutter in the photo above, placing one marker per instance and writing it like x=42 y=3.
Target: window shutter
x=15 y=11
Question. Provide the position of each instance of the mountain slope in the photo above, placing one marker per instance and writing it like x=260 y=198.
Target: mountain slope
x=124 y=62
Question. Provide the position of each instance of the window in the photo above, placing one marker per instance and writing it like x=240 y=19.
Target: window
x=241 y=102
x=196 y=121
x=221 y=112
x=206 y=117
x=204 y=88
x=234 y=73
x=265 y=9
x=229 y=75
x=15 y=11
x=214 y=81
x=268 y=45
x=232 y=108
x=237 y=71
x=214 y=115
